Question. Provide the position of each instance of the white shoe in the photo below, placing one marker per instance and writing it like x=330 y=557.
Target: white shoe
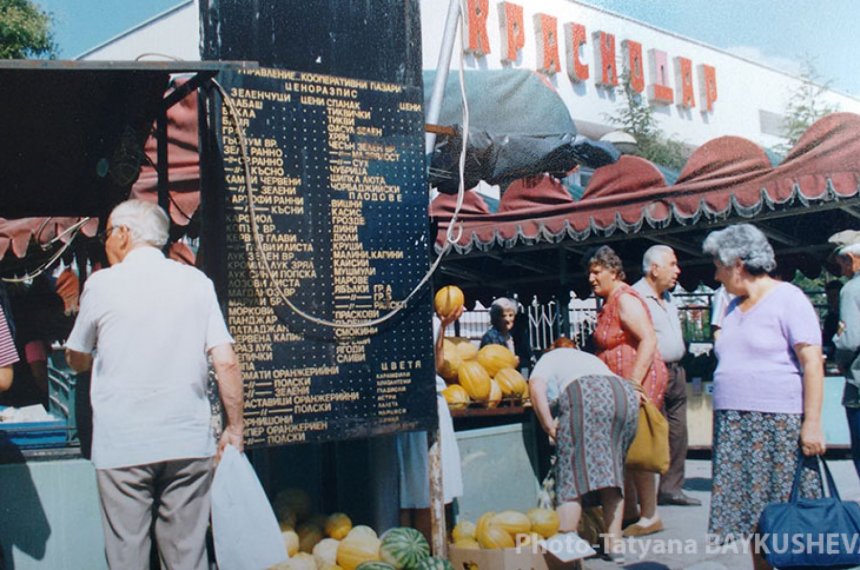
x=568 y=546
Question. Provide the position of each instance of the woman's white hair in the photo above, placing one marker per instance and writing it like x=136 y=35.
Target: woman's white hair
x=146 y=222
x=743 y=242
x=498 y=308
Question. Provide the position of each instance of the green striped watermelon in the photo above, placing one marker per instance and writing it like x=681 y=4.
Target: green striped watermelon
x=434 y=563
x=375 y=565
x=403 y=548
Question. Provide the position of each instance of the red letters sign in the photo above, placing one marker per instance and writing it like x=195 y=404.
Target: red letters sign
x=575 y=38
x=478 y=42
x=513 y=34
x=684 y=83
x=707 y=87
x=604 y=59
x=660 y=91
x=547 y=44
x=632 y=55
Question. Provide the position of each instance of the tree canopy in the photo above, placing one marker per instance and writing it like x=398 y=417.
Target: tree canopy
x=806 y=104
x=25 y=31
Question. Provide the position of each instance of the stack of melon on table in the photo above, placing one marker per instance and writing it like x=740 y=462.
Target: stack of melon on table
x=317 y=542
x=507 y=529
x=484 y=376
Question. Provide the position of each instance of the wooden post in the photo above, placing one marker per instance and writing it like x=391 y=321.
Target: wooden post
x=438 y=530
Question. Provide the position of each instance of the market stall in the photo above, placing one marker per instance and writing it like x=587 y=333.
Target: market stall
x=534 y=242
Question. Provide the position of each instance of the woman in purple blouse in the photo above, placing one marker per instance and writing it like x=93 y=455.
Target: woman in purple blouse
x=767 y=386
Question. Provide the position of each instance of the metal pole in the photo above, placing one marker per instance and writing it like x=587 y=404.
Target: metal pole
x=438 y=531
x=161 y=159
x=434 y=107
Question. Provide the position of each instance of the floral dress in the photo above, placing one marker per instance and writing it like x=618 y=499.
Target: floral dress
x=615 y=346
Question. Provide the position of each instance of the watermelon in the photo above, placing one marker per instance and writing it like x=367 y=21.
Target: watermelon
x=375 y=565
x=403 y=548
x=434 y=563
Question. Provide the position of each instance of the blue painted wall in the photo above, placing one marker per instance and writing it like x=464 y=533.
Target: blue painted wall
x=49 y=516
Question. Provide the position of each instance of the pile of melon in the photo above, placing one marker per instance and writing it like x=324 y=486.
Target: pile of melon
x=316 y=542
x=507 y=529
x=484 y=376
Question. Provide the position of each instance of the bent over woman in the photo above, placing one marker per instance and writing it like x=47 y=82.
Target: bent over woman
x=592 y=415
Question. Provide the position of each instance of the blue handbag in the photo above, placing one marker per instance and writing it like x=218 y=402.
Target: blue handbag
x=812 y=533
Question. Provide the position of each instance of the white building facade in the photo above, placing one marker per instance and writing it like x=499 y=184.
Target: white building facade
x=697 y=92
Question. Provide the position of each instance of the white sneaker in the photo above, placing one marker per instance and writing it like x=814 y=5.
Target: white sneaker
x=568 y=546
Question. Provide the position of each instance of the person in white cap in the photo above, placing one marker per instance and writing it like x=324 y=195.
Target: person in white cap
x=847 y=338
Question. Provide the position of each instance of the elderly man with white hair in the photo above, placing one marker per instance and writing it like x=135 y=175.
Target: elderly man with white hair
x=660 y=273
x=847 y=339
x=153 y=324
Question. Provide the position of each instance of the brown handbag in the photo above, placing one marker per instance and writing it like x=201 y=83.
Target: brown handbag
x=650 y=448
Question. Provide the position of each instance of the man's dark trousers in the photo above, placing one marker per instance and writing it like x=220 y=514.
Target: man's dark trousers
x=675 y=410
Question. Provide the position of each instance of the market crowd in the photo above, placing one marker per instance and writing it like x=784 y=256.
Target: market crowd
x=767 y=399
x=150 y=330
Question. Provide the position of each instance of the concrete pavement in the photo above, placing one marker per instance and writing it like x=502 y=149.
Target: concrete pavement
x=682 y=545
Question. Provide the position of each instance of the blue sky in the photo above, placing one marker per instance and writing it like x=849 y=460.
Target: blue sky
x=82 y=24
x=779 y=33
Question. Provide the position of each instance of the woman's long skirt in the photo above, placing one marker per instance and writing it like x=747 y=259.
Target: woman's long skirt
x=598 y=417
x=754 y=458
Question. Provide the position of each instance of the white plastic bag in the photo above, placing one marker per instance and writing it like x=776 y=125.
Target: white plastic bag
x=244 y=527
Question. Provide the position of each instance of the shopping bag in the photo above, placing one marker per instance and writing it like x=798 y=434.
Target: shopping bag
x=810 y=533
x=546 y=495
x=244 y=527
x=650 y=448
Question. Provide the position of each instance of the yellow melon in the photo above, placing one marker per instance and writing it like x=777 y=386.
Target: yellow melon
x=511 y=382
x=463 y=529
x=456 y=396
x=474 y=378
x=301 y=561
x=451 y=361
x=291 y=541
x=512 y=522
x=545 y=522
x=469 y=543
x=467 y=349
x=495 y=394
x=338 y=525
x=494 y=357
x=357 y=548
x=494 y=537
x=362 y=530
x=527 y=539
x=448 y=300
x=483 y=522
x=325 y=552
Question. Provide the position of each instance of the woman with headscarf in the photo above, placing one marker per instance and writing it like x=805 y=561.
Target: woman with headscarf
x=625 y=340
x=592 y=415
x=768 y=386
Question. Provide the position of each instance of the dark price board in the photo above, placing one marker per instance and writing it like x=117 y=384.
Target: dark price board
x=341 y=205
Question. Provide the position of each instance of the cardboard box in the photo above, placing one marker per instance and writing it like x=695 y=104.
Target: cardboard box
x=507 y=559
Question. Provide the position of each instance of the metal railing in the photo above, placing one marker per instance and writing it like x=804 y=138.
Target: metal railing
x=546 y=322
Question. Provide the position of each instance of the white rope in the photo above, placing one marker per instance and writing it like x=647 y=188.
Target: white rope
x=263 y=256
